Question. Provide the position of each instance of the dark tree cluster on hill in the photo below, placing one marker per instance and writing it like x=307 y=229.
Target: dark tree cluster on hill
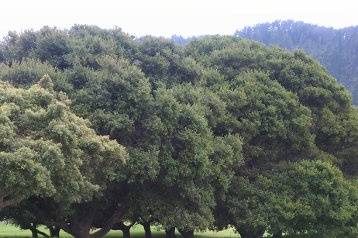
x=101 y=131
x=336 y=49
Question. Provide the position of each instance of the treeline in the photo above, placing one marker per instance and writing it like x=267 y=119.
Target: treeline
x=336 y=49
x=100 y=131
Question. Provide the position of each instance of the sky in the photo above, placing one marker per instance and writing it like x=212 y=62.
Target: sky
x=169 y=17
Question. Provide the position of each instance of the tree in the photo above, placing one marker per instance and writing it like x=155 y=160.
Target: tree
x=154 y=123
x=47 y=148
x=274 y=99
x=329 y=103
x=299 y=197
x=19 y=163
x=294 y=200
x=275 y=130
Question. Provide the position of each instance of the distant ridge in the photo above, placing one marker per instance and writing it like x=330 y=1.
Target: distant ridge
x=336 y=49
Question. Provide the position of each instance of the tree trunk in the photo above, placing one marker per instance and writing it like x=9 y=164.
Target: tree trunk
x=126 y=232
x=277 y=234
x=34 y=232
x=124 y=228
x=170 y=232
x=54 y=231
x=85 y=232
x=147 y=230
x=187 y=234
x=250 y=232
x=43 y=234
x=80 y=226
x=81 y=232
x=82 y=235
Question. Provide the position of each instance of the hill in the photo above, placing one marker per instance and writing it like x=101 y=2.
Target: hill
x=336 y=49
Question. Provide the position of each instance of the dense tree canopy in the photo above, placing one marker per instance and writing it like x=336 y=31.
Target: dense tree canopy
x=48 y=152
x=287 y=109
x=215 y=135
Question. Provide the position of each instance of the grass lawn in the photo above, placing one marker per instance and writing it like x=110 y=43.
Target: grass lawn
x=9 y=231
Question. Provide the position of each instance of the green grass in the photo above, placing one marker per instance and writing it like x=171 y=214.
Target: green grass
x=10 y=231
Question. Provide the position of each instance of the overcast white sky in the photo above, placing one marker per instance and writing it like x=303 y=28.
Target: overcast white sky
x=168 y=17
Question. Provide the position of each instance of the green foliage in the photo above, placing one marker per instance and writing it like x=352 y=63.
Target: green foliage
x=313 y=197
x=47 y=151
x=286 y=108
x=308 y=197
x=220 y=132
x=27 y=72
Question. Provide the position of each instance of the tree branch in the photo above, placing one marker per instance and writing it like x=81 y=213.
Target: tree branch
x=42 y=233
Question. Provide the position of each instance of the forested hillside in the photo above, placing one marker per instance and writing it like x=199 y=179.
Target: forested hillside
x=336 y=49
x=100 y=130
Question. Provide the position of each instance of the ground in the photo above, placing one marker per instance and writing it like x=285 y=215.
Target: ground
x=9 y=231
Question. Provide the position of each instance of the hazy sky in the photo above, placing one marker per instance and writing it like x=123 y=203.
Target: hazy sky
x=168 y=17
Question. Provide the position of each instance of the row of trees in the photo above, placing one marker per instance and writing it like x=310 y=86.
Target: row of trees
x=100 y=131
